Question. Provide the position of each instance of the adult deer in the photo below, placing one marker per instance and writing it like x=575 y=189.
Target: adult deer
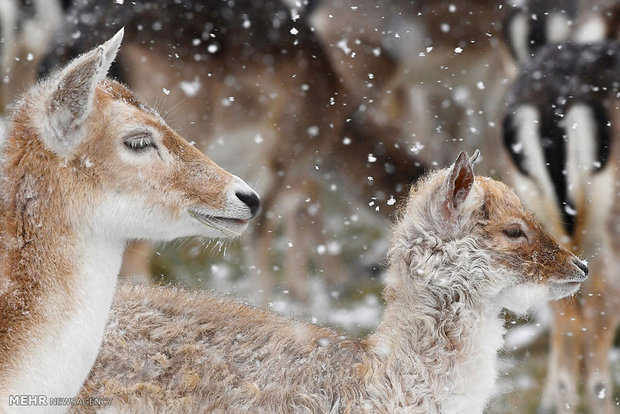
x=86 y=167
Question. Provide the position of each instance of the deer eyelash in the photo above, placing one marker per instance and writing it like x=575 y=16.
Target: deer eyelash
x=139 y=143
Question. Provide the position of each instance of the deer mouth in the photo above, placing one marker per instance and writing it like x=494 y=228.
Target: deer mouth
x=230 y=226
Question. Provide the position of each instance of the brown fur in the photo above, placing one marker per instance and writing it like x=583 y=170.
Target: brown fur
x=539 y=257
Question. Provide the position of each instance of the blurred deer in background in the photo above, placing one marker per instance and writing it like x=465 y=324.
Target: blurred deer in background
x=25 y=28
x=561 y=132
x=537 y=23
x=433 y=69
x=541 y=22
x=462 y=250
x=85 y=167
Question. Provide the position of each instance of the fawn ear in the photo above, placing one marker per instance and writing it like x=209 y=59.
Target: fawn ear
x=71 y=99
x=458 y=184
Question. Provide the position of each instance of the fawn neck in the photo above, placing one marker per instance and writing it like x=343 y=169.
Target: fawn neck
x=445 y=322
x=58 y=277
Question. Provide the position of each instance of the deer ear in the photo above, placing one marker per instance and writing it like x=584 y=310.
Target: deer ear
x=458 y=184
x=73 y=91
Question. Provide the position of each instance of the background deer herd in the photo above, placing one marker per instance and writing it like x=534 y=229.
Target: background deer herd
x=331 y=109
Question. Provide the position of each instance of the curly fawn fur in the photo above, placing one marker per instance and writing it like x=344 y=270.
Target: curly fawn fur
x=463 y=249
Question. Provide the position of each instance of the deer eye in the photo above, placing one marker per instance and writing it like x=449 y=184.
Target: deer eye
x=139 y=143
x=514 y=232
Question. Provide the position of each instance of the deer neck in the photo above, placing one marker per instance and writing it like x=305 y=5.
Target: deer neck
x=439 y=337
x=57 y=283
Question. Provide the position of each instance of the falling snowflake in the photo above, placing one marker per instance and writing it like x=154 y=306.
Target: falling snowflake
x=313 y=131
x=342 y=44
x=190 y=89
x=417 y=147
x=570 y=210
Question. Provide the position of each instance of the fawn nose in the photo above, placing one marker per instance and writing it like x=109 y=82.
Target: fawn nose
x=251 y=200
x=582 y=265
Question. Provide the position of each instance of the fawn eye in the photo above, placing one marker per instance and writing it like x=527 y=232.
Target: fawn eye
x=139 y=143
x=514 y=232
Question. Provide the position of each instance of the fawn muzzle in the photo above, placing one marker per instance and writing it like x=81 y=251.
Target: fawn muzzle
x=570 y=281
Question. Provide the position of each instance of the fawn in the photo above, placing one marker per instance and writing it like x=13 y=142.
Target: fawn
x=463 y=249
x=86 y=167
x=561 y=133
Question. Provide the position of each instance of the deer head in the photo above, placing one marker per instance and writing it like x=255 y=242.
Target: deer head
x=127 y=173
x=473 y=234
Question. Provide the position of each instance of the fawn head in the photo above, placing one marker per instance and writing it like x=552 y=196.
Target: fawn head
x=123 y=168
x=475 y=232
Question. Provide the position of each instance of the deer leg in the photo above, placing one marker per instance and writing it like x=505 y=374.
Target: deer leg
x=601 y=306
x=259 y=248
x=330 y=266
x=560 y=394
x=259 y=255
x=136 y=261
x=295 y=267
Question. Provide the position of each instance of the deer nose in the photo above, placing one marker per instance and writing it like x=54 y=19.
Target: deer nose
x=582 y=265
x=251 y=200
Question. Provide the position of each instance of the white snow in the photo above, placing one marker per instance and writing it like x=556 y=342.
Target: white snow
x=190 y=89
x=342 y=44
